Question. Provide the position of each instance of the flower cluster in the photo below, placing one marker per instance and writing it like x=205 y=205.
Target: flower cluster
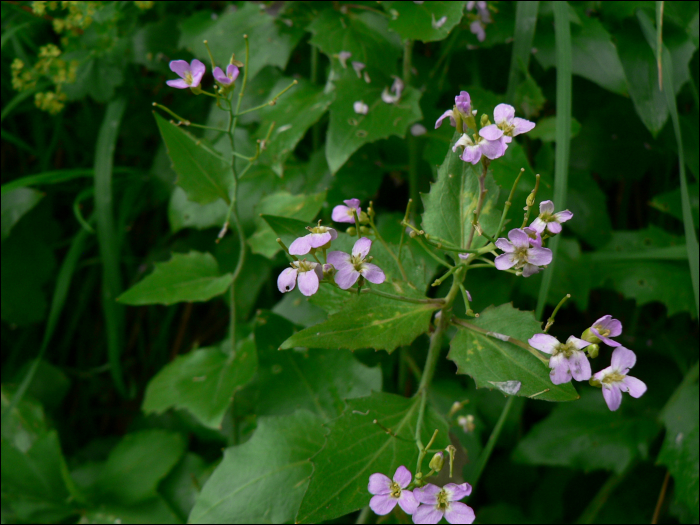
x=341 y=268
x=569 y=360
x=191 y=75
x=426 y=505
x=479 y=20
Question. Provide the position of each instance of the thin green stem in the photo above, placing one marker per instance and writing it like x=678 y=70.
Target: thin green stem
x=403 y=230
x=430 y=252
x=550 y=321
x=509 y=202
x=316 y=130
x=480 y=203
x=232 y=125
x=593 y=508
x=440 y=280
x=530 y=201
x=465 y=298
x=269 y=102
x=357 y=223
x=491 y=443
x=370 y=215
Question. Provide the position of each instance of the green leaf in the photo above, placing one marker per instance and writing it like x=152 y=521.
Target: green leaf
x=202 y=173
x=490 y=360
x=670 y=202
x=187 y=277
x=364 y=35
x=24 y=424
x=263 y=480
x=153 y=510
x=137 y=464
x=184 y=213
x=282 y=204
x=348 y=131
x=357 y=448
x=586 y=435
x=293 y=115
x=14 y=205
x=679 y=451
x=315 y=380
x=367 y=321
x=203 y=381
x=424 y=21
x=450 y=205
x=286 y=229
x=271 y=42
x=546 y=129
x=181 y=487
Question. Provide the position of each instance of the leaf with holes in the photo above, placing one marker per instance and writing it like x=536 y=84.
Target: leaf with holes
x=426 y=21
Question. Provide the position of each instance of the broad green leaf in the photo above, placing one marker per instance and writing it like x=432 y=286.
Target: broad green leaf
x=184 y=213
x=679 y=451
x=201 y=172
x=14 y=204
x=295 y=307
x=271 y=42
x=49 y=385
x=363 y=34
x=181 y=487
x=187 y=277
x=315 y=380
x=25 y=424
x=426 y=21
x=642 y=75
x=203 y=381
x=586 y=435
x=137 y=464
x=154 y=510
x=367 y=321
x=297 y=110
x=282 y=204
x=356 y=448
x=348 y=130
x=263 y=480
x=490 y=360
x=670 y=202
x=450 y=205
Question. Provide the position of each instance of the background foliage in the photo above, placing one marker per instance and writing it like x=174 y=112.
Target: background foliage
x=112 y=279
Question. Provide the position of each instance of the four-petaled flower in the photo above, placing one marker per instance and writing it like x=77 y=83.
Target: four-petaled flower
x=521 y=254
x=437 y=502
x=614 y=379
x=474 y=149
x=463 y=105
x=507 y=124
x=603 y=329
x=319 y=236
x=344 y=213
x=567 y=359
x=309 y=275
x=228 y=78
x=387 y=492
x=191 y=74
x=350 y=268
x=549 y=220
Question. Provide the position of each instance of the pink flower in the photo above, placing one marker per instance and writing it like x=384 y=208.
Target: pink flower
x=230 y=76
x=567 y=359
x=521 y=254
x=605 y=328
x=350 y=268
x=191 y=74
x=437 y=502
x=549 y=220
x=388 y=493
x=309 y=275
x=507 y=124
x=463 y=104
x=474 y=149
x=319 y=236
x=344 y=213
x=615 y=380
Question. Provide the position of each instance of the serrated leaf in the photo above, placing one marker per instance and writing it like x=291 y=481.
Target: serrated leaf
x=203 y=174
x=14 y=204
x=184 y=278
x=203 y=381
x=367 y=321
x=348 y=130
x=426 y=21
x=263 y=480
x=315 y=380
x=586 y=435
x=450 y=205
x=489 y=359
x=679 y=451
x=356 y=448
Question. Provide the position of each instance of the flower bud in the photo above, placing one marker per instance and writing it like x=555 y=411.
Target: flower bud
x=594 y=382
x=592 y=351
x=485 y=120
x=437 y=462
x=412 y=234
x=589 y=336
x=365 y=230
x=530 y=201
x=451 y=450
x=351 y=231
x=364 y=219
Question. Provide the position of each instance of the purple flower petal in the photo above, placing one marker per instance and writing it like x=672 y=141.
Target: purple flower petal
x=316 y=240
x=300 y=246
x=606 y=340
x=442 y=117
x=599 y=376
x=635 y=387
x=491 y=132
x=318 y=269
x=361 y=247
x=504 y=245
x=408 y=502
x=519 y=238
x=579 y=366
x=608 y=323
x=338 y=259
x=402 y=476
x=546 y=207
x=427 y=494
x=334 y=234
x=623 y=359
x=471 y=154
x=476 y=28
x=561 y=373
x=577 y=343
x=427 y=515
x=530 y=269
x=308 y=283
x=379 y=484
x=179 y=67
x=232 y=72
x=463 y=102
x=612 y=395
x=493 y=149
x=538 y=225
x=220 y=76
x=554 y=227
x=503 y=113
x=198 y=70
x=457 y=492
x=342 y=214
x=459 y=513
x=469 y=296
x=346 y=277
x=177 y=83
x=535 y=236
x=522 y=126
x=539 y=256
x=287 y=280
x=505 y=261
x=373 y=273
x=382 y=504
x=544 y=342
x=563 y=216
x=353 y=203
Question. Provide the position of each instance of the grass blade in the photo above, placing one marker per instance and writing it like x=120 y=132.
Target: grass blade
x=107 y=237
x=54 y=177
x=525 y=23
x=562 y=37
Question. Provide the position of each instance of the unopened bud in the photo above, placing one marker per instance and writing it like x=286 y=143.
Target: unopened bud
x=412 y=234
x=589 y=336
x=437 y=462
x=530 y=201
x=592 y=350
x=594 y=382
x=351 y=231
x=364 y=219
x=485 y=120
x=456 y=407
x=235 y=62
x=365 y=229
